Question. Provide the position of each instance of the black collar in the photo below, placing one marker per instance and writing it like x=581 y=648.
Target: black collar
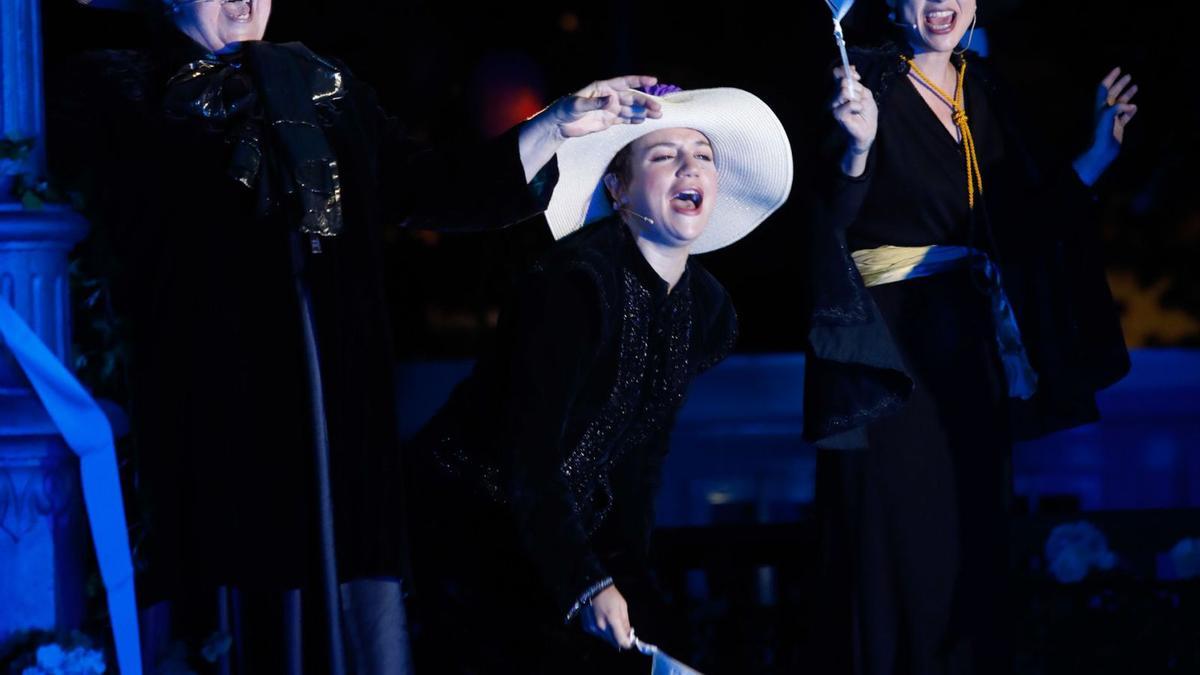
x=645 y=273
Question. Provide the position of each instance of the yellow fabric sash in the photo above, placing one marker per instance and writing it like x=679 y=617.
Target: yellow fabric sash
x=889 y=264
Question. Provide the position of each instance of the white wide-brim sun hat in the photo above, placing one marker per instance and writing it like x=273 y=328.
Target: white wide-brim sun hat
x=751 y=150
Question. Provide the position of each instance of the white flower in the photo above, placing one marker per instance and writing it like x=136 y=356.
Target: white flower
x=50 y=657
x=1185 y=556
x=81 y=661
x=1075 y=548
x=1069 y=567
x=52 y=660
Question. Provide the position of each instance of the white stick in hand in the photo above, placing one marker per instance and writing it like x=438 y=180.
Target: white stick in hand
x=839 y=10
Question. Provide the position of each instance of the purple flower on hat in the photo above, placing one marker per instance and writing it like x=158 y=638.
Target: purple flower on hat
x=661 y=89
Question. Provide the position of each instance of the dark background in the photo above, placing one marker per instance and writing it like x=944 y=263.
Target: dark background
x=452 y=71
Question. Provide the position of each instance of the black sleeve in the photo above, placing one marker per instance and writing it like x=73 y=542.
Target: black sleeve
x=853 y=370
x=558 y=328
x=476 y=186
x=1047 y=233
x=1055 y=204
x=636 y=481
x=717 y=320
x=840 y=196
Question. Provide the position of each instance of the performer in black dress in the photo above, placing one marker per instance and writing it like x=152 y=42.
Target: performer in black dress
x=533 y=515
x=955 y=288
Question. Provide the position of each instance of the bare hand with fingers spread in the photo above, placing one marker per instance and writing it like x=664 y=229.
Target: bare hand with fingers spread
x=1113 y=111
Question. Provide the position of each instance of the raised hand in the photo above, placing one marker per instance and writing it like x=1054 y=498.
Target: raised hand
x=1113 y=108
x=858 y=116
x=1113 y=112
x=604 y=103
x=594 y=108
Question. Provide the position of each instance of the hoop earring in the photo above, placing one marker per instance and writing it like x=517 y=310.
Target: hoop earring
x=970 y=36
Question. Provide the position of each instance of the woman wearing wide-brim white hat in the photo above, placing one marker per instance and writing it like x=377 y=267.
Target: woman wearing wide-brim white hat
x=547 y=458
x=752 y=157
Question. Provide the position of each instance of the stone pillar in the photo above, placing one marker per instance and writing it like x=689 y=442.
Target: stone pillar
x=22 y=109
x=42 y=525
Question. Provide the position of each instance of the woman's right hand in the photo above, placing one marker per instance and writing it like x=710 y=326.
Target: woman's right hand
x=605 y=103
x=596 y=107
x=607 y=617
x=858 y=116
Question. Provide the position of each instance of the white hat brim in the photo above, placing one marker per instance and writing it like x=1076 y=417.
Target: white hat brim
x=751 y=149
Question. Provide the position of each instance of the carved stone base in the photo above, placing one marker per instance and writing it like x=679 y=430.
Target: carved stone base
x=42 y=523
x=42 y=526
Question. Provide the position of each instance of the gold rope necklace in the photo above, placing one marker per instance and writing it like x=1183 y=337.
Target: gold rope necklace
x=958 y=104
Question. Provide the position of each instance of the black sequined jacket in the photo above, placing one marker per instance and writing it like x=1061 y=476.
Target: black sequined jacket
x=565 y=421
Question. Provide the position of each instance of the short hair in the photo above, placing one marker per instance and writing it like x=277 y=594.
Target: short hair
x=621 y=167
